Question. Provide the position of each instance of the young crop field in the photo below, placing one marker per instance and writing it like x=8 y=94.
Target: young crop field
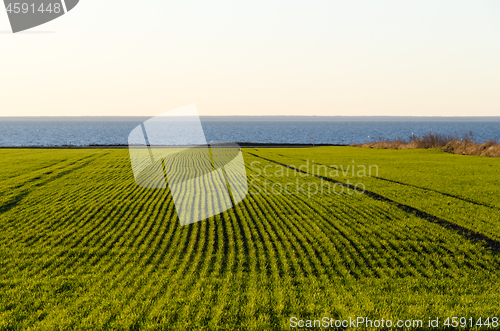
x=333 y=232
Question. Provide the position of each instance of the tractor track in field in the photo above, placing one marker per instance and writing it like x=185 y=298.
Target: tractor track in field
x=40 y=180
x=95 y=250
x=439 y=192
x=477 y=203
x=466 y=232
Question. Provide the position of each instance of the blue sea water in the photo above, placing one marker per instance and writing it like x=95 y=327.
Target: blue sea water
x=278 y=130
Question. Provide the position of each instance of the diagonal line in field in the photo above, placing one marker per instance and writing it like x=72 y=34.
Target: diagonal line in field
x=466 y=232
x=15 y=199
x=439 y=192
x=420 y=188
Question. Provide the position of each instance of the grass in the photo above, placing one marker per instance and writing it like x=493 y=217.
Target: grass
x=83 y=247
x=448 y=143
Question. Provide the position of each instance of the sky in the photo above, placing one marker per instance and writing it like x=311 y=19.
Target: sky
x=325 y=58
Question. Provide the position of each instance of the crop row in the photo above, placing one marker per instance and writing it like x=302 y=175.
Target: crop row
x=91 y=249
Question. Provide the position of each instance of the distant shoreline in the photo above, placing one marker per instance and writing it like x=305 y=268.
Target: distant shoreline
x=260 y=118
x=242 y=145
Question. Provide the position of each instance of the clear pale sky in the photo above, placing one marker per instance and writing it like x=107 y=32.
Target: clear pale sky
x=289 y=57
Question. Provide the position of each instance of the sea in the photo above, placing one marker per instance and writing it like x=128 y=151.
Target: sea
x=341 y=130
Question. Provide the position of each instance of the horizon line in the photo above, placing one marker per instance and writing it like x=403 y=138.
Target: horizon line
x=73 y=116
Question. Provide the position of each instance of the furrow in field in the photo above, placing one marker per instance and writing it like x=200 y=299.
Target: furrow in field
x=130 y=230
x=126 y=271
x=188 y=266
x=480 y=217
x=157 y=309
x=81 y=216
x=20 y=192
x=300 y=231
x=19 y=166
x=93 y=252
x=30 y=225
x=94 y=245
x=301 y=246
x=297 y=247
x=140 y=279
x=468 y=233
x=346 y=238
x=356 y=241
x=329 y=225
x=439 y=192
x=273 y=263
x=454 y=196
x=384 y=231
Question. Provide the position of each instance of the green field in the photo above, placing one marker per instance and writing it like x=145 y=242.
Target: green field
x=83 y=247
